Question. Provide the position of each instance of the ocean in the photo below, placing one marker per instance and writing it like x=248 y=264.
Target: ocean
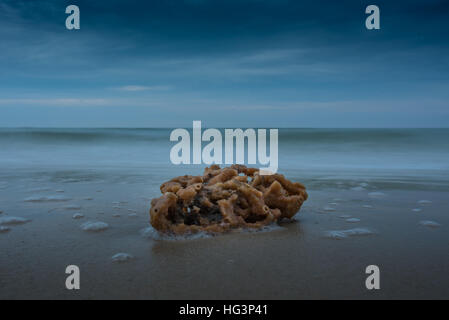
x=299 y=149
x=81 y=196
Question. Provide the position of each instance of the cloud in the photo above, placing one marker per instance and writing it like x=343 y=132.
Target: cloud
x=259 y=59
x=80 y=102
x=61 y=102
x=132 y=88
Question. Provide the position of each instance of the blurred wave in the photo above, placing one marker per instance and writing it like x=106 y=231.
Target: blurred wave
x=336 y=152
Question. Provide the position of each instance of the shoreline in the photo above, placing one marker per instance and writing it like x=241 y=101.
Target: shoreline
x=294 y=261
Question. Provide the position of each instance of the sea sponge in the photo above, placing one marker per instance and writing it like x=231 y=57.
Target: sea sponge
x=224 y=199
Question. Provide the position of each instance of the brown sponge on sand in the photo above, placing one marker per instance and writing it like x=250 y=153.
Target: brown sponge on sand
x=224 y=199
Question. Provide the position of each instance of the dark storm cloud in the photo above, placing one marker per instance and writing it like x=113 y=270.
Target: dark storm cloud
x=312 y=62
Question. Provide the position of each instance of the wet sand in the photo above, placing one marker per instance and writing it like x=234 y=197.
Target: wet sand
x=297 y=260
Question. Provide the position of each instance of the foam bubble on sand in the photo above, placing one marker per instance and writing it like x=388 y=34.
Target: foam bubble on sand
x=342 y=234
x=40 y=189
x=417 y=210
x=430 y=224
x=268 y=228
x=94 y=226
x=118 y=203
x=4 y=229
x=56 y=198
x=376 y=195
x=352 y=220
x=72 y=207
x=12 y=220
x=363 y=184
x=367 y=206
x=121 y=257
x=153 y=234
x=78 y=216
x=424 y=202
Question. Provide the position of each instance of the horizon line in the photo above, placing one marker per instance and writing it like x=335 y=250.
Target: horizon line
x=224 y=127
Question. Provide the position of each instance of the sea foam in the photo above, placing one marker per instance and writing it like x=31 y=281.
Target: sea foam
x=12 y=220
x=430 y=224
x=121 y=257
x=376 y=195
x=424 y=202
x=342 y=234
x=153 y=234
x=56 y=198
x=94 y=226
x=72 y=207
x=4 y=229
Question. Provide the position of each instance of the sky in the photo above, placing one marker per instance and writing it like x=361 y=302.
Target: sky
x=230 y=63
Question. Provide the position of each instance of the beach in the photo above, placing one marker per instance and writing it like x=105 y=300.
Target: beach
x=376 y=197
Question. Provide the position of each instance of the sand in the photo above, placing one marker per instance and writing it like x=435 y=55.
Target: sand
x=298 y=260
